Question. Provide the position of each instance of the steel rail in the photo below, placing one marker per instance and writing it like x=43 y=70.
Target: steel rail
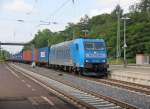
x=59 y=93
x=118 y=83
x=87 y=96
x=126 y=85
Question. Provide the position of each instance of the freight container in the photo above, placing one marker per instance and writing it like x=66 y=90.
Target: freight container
x=17 y=56
x=35 y=55
x=27 y=55
x=44 y=55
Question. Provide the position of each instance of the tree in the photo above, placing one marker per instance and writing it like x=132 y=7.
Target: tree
x=134 y=8
x=116 y=11
x=41 y=38
x=104 y=26
x=84 y=23
x=145 y=6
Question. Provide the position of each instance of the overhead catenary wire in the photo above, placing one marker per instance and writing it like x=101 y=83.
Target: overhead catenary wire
x=34 y=6
x=47 y=22
x=58 y=9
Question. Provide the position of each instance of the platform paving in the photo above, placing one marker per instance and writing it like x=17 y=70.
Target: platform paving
x=135 y=74
x=19 y=92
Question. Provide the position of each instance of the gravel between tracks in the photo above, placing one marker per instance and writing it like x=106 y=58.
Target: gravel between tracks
x=137 y=99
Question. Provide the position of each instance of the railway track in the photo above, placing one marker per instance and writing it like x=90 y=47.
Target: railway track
x=118 y=83
x=133 y=84
x=122 y=84
x=83 y=98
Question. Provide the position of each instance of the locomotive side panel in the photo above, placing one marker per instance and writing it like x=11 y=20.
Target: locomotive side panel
x=61 y=54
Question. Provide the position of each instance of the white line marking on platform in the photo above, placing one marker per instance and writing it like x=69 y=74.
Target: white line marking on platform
x=33 y=89
x=33 y=101
x=40 y=83
x=48 y=100
x=23 y=80
x=28 y=85
x=13 y=72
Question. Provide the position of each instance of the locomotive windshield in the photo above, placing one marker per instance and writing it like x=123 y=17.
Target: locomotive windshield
x=94 y=46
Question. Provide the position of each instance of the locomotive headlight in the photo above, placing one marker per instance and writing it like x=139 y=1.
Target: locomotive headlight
x=103 y=60
x=87 y=55
x=86 y=61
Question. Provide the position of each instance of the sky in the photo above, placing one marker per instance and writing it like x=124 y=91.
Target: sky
x=34 y=12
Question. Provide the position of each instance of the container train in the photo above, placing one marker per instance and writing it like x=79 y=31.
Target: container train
x=84 y=56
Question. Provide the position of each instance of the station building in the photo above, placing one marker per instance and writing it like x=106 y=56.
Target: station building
x=142 y=59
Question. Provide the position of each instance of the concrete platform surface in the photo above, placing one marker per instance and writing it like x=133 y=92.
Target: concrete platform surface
x=135 y=74
x=19 y=92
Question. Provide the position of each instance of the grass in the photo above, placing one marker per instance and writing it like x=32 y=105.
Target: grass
x=2 y=59
x=113 y=61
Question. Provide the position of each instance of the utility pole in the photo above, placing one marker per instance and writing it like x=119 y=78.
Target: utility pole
x=125 y=44
x=73 y=29
x=118 y=51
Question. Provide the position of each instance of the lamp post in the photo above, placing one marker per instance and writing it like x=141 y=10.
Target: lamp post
x=125 y=44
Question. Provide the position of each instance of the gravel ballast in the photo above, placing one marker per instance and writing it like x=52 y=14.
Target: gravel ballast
x=137 y=99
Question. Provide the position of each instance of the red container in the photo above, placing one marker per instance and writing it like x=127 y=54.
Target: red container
x=35 y=55
x=27 y=55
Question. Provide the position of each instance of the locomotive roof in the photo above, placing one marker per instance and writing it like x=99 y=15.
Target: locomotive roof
x=62 y=43
x=68 y=42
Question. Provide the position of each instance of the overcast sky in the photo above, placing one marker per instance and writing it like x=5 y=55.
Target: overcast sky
x=33 y=11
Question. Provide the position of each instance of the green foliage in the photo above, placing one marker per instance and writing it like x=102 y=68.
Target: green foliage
x=114 y=61
x=145 y=6
x=105 y=26
x=4 y=55
x=41 y=38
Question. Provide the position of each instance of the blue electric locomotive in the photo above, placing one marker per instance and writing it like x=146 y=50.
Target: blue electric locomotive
x=87 y=56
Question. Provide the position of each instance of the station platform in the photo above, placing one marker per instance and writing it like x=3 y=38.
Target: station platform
x=19 y=92
x=132 y=73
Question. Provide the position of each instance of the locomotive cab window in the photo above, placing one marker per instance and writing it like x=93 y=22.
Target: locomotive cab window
x=88 y=46
x=94 y=46
x=99 y=46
